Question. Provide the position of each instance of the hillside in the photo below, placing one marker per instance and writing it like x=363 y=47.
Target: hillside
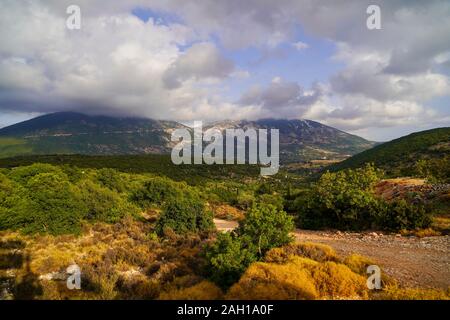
x=74 y=133
x=305 y=140
x=401 y=155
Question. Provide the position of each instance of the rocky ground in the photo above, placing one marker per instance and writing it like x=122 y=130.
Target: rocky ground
x=414 y=262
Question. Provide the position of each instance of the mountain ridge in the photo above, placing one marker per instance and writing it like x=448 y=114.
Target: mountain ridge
x=77 y=133
x=400 y=156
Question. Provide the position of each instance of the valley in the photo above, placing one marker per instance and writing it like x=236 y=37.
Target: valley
x=140 y=227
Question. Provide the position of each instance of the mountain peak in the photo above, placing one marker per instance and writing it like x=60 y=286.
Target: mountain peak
x=73 y=132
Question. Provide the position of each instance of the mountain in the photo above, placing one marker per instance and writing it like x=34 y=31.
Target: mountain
x=75 y=133
x=69 y=133
x=305 y=140
x=401 y=155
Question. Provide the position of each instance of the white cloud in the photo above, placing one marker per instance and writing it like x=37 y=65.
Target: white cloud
x=300 y=45
x=119 y=64
x=201 y=61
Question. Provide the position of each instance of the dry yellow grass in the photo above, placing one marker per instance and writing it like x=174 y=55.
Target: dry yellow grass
x=298 y=279
x=203 y=290
x=395 y=293
x=227 y=212
x=122 y=262
x=314 y=251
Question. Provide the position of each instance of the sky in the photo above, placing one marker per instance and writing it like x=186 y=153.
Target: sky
x=212 y=60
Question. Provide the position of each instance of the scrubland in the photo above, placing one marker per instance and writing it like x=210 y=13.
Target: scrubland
x=147 y=236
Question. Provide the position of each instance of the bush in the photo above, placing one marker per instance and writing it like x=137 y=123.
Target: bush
x=263 y=281
x=345 y=200
x=342 y=200
x=402 y=215
x=335 y=280
x=245 y=200
x=49 y=204
x=272 y=199
x=227 y=258
x=434 y=170
x=10 y=201
x=184 y=215
x=264 y=227
x=358 y=263
x=393 y=292
x=313 y=251
x=299 y=278
x=111 y=179
x=104 y=204
x=23 y=174
x=158 y=191
x=203 y=290
x=267 y=227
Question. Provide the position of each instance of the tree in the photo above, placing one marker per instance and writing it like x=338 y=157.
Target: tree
x=402 y=215
x=51 y=205
x=267 y=227
x=346 y=200
x=264 y=227
x=103 y=204
x=228 y=257
x=158 y=191
x=184 y=215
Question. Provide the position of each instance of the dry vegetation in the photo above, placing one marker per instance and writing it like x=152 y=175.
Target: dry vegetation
x=54 y=217
x=125 y=261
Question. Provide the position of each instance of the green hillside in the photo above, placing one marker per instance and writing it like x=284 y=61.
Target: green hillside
x=75 y=133
x=402 y=156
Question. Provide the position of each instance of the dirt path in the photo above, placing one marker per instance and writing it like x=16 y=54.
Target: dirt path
x=412 y=261
x=225 y=225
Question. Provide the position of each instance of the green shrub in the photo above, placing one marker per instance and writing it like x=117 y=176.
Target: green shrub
x=104 y=204
x=342 y=200
x=346 y=200
x=158 y=191
x=111 y=179
x=400 y=214
x=23 y=174
x=49 y=205
x=434 y=170
x=267 y=227
x=264 y=227
x=245 y=200
x=228 y=257
x=10 y=201
x=183 y=215
x=272 y=199
x=264 y=188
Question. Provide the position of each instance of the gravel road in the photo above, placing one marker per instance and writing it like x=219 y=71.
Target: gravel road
x=414 y=262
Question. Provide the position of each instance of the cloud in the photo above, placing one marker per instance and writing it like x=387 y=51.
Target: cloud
x=281 y=98
x=119 y=64
x=115 y=64
x=201 y=61
x=300 y=45
x=373 y=83
x=280 y=94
